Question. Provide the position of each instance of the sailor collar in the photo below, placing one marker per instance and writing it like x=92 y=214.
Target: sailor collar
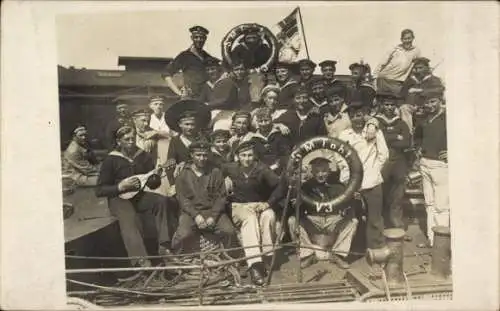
x=212 y=85
x=388 y=121
x=423 y=79
x=441 y=112
x=195 y=52
x=287 y=83
x=319 y=105
x=185 y=140
x=121 y=155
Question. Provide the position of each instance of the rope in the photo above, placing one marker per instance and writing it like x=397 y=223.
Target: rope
x=167 y=256
x=386 y=286
x=408 y=288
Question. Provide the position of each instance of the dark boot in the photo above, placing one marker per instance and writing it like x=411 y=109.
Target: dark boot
x=257 y=273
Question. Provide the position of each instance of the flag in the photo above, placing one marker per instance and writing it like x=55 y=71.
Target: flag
x=290 y=35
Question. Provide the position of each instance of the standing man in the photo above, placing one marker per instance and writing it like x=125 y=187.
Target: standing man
x=360 y=90
x=122 y=118
x=287 y=85
x=431 y=137
x=233 y=91
x=202 y=198
x=146 y=137
x=192 y=64
x=335 y=116
x=397 y=137
x=395 y=68
x=318 y=93
x=306 y=70
x=157 y=121
x=253 y=183
x=252 y=51
x=188 y=118
x=213 y=69
x=369 y=142
x=328 y=69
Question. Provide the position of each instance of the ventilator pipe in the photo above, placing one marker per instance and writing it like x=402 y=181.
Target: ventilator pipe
x=390 y=256
x=441 y=252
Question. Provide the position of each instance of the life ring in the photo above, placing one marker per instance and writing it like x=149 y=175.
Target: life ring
x=345 y=151
x=236 y=34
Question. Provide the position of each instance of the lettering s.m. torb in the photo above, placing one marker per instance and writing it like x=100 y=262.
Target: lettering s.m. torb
x=347 y=153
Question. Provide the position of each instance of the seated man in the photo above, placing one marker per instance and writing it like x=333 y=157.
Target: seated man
x=202 y=198
x=335 y=115
x=338 y=225
x=146 y=137
x=117 y=177
x=79 y=162
x=253 y=183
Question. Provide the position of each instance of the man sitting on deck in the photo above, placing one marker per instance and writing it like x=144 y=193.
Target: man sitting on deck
x=252 y=184
x=119 y=176
x=79 y=162
x=201 y=194
x=338 y=224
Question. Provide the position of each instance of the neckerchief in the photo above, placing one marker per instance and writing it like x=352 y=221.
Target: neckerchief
x=193 y=50
x=120 y=154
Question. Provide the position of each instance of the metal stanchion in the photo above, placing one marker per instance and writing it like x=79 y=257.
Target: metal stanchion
x=297 y=220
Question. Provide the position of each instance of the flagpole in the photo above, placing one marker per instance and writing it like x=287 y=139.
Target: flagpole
x=303 y=32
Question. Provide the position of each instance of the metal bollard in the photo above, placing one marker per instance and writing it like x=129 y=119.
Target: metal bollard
x=390 y=256
x=441 y=252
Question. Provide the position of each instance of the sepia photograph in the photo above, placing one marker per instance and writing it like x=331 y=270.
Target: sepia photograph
x=252 y=159
x=248 y=155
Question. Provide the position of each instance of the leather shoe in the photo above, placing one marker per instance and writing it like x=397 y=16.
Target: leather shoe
x=257 y=273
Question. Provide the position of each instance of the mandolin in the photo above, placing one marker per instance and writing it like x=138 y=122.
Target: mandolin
x=143 y=178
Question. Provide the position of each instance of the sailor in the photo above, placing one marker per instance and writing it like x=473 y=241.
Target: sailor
x=337 y=223
x=368 y=140
x=306 y=71
x=317 y=87
x=157 y=121
x=202 y=198
x=269 y=99
x=392 y=72
x=252 y=51
x=286 y=83
x=122 y=118
x=397 y=137
x=118 y=176
x=431 y=140
x=146 y=137
x=277 y=147
x=79 y=161
x=252 y=184
x=328 y=69
x=220 y=151
x=189 y=118
x=416 y=87
x=335 y=116
x=360 y=90
x=304 y=122
x=232 y=92
x=241 y=130
x=192 y=64
x=214 y=72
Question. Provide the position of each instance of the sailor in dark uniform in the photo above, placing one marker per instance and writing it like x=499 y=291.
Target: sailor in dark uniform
x=328 y=69
x=317 y=87
x=306 y=70
x=287 y=85
x=303 y=122
x=316 y=223
x=397 y=137
x=192 y=64
x=252 y=50
x=189 y=118
x=220 y=152
x=360 y=90
x=214 y=72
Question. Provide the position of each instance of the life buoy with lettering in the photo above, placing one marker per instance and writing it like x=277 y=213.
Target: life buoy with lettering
x=236 y=35
x=345 y=151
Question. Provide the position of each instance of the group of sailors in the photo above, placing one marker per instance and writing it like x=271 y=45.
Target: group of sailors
x=226 y=156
